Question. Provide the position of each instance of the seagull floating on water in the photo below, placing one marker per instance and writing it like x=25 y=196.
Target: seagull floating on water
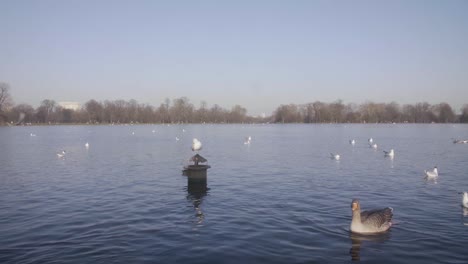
x=32 y=135
x=374 y=146
x=335 y=156
x=460 y=141
x=86 y=145
x=176 y=138
x=370 y=222
x=196 y=145
x=248 y=140
x=431 y=174
x=390 y=153
x=465 y=199
x=371 y=140
x=352 y=142
x=61 y=154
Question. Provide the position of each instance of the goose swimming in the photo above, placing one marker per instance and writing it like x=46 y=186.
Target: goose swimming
x=390 y=153
x=370 y=222
x=431 y=174
x=196 y=145
x=335 y=156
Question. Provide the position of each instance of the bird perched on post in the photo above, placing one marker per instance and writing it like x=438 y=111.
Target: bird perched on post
x=196 y=145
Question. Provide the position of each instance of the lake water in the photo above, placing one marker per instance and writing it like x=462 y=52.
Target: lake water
x=281 y=199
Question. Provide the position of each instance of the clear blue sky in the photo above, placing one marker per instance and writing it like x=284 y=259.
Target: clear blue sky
x=259 y=54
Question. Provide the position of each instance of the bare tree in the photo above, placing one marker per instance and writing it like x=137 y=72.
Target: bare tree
x=464 y=114
x=5 y=101
x=95 y=111
x=444 y=113
x=23 y=109
x=45 y=110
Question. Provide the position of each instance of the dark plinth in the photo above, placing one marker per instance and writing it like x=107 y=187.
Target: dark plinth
x=196 y=172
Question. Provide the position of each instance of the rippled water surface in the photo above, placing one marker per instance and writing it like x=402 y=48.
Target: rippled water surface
x=281 y=199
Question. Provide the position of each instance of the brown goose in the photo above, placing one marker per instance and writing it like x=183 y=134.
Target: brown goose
x=369 y=222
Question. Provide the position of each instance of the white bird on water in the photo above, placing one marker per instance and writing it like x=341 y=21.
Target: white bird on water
x=335 y=156
x=86 y=145
x=432 y=174
x=61 y=154
x=374 y=146
x=248 y=140
x=465 y=199
x=371 y=140
x=196 y=145
x=352 y=142
x=390 y=153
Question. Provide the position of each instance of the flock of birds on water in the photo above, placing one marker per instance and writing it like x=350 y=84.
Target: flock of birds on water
x=380 y=220
x=363 y=222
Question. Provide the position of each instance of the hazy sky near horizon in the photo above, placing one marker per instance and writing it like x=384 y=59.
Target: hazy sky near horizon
x=258 y=54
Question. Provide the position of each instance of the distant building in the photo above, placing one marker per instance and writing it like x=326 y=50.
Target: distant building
x=70 y=105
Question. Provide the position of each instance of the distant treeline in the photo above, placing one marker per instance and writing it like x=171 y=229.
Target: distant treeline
x=369 y=112
x=180 y=110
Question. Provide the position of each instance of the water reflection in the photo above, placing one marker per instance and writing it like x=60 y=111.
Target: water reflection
x=357 y=240
x=465 y=216
x=197 y=189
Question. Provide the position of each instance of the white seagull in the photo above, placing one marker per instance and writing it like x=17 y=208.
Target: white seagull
x=432 y=174
x=196 y=145
x=465 y=199
x=248 y=140
x=335 y=156
x=86 y=145
x=352 y=142
x=374 y=146
x=371 y=140
x=61 y=154
x=390 y=153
